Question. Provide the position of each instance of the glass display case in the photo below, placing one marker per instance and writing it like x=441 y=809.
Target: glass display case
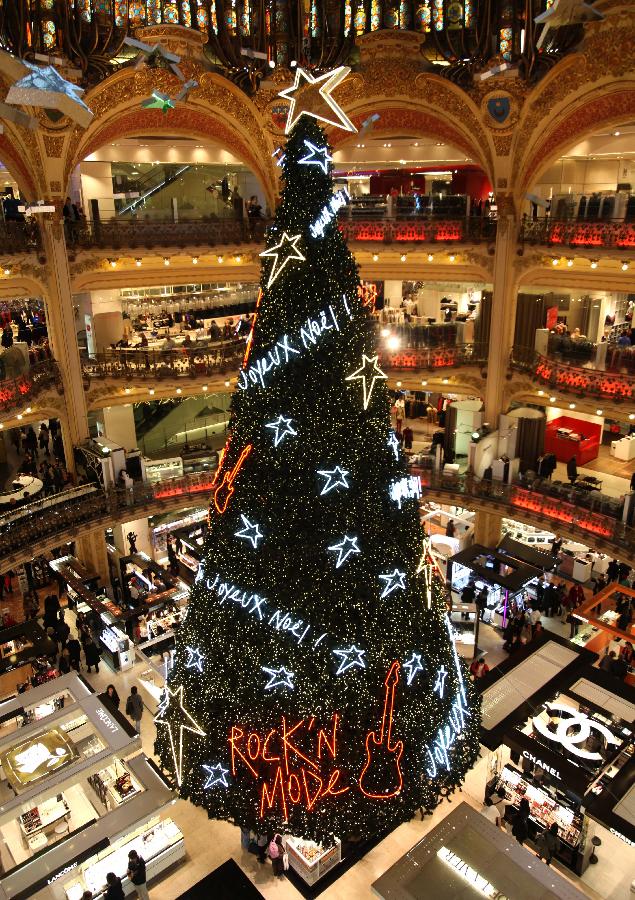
x=544 y=809
x=160 y=843
x=310 y=860
x=115 y=784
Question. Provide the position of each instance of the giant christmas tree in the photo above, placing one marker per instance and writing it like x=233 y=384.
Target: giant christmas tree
x=316 y=688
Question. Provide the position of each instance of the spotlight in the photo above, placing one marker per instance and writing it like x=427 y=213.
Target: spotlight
x=569 y=262
x=393 y=342
x=430 y=257
x=151 y=392
x=204 y=387
x=552 y=399
x=195 y=260
x=227 y=384
x=166 y=260
x=375 y=257
x=424 y=383
x=220 y=257
x=385 y=332
x=555 y=261
x=451 y=257
x=446 y=381
x=137 y=261
x=404 y=257
x=594 y=263
x=541 y=393
x=179 y=391
x=625 y=266
x=238 y=258
x=598 y=412
x=398 y=384
x=572 y=406
x=112 y=263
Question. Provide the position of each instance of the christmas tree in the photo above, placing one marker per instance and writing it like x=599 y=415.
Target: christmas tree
x=316 y=689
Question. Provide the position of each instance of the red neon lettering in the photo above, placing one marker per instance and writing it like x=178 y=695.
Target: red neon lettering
x=311 y=800
x=249 y=744
x=295 y=791
x=331 y=747
x=287 y=743
x=270 y=797
x=332 y=785
x=236 y=734
x=266 y=745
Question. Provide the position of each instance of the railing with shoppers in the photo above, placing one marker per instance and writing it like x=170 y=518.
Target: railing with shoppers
x=127 y=234
x=433 y=358
x=584 y=382
x=612 y=233
x=470 y=229
x=188 y=362
x=592 y=517
x=15 y=392
x=57 y=520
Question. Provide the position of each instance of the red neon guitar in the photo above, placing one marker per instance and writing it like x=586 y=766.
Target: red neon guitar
x=224 y=491
x=381 y=776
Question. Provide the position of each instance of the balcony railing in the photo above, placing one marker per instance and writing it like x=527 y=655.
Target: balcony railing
x=613 y=233
x=161 y=364
x=433 y=358
x=19 y=237
x=128 y=234
x=16 y=392
x=578 y=380
x=593 y=518
x=46 y=525
x=471 y=229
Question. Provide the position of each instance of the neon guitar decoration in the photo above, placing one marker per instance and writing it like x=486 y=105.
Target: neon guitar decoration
x=382 y=756
x=222 y=494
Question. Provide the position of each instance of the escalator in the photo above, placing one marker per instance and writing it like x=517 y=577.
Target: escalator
x=152 y=183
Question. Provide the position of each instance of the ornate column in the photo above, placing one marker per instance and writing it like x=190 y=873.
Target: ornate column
x=63 y=335
x=503 y=308
x=487 y=528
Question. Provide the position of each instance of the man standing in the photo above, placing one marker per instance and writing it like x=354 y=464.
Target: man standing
x=137 y=871
x=134 y=709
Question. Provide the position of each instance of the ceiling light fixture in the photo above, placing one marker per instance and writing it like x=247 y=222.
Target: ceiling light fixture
x=430 y=257
x=166 y=260
x=625 y=266
x=375 y=257
x=555 y=261
x=569 y=262
x=598 y=412
x=594 y=263
x=404 y=257
x=195 y=260
x=220 y=257
x=451 y=257
x=137 y=261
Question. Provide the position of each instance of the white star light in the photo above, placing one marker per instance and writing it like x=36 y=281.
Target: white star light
x=282 y=427
x=369 y=370
x=323 y=86
x=279 y=678
x=215 y=775
x=414 y=666
x=251 y=532
x=288 y=250
x=334 y=478
x=182 y=721
x=393 y=443
x=317 y=156
x=394 y=581
x=345 y=547
x=349 y=658
x=195 y=659
x=439 y=684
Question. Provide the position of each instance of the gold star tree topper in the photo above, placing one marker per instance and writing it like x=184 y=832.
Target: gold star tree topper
x=311 y=96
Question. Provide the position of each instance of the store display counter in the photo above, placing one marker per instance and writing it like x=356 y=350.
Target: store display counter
x=310 y=860
x=543 y=808
x=160 y=843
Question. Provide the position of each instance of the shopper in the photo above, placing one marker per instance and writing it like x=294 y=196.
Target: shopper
x=74 y=650
x=613 y=570
x=137 y=874
x=495 y=810
x=479 y=668
x=134 y=708
x=113 y=889
x=572 y=470
x=111 y=697
x=606 y=663
x=276 y=852
x=520 y=828
x=262 y=840
x=91 y=652
x=548 y=843
x=450 y=528
x=62 y=630
x=64 y=664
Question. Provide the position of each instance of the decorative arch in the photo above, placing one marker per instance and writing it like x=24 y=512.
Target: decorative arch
x=215 y=109
x=15 y=158
x=601 y=108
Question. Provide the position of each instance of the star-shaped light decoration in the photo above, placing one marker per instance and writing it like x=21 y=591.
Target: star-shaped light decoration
x=155 y=56
x=158 y=100
x=311 y=96
x=413 y=667
x=393 y=443
x=279 y=678
x=181 y=721
x=215 y=775
x=282 y=427
x=349 y=658
x=283 y=253
x=439 y=684
x=345 y=548
x=394 y=581
x=195 y=659
x=334 y=478
x=250 y=532
x=369 y=371
x=44 y=88
x=565 y=12
x=317 y=156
